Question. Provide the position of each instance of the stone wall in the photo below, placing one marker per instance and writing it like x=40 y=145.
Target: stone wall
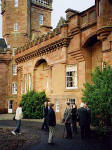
x=4 y=68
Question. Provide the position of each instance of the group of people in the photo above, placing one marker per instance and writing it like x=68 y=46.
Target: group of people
x=72 y=115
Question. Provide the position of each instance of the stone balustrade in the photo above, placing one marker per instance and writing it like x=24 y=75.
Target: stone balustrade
x=44 y=3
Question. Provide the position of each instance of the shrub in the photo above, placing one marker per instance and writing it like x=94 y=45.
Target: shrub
x=98 y=95
x=33 y=103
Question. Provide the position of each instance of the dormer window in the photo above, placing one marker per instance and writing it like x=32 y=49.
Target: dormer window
x=15 y=3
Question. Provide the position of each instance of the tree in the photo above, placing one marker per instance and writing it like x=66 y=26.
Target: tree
x=33 y=103
x=98 y=95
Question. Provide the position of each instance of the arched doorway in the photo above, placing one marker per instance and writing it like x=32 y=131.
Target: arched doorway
x=41 y=76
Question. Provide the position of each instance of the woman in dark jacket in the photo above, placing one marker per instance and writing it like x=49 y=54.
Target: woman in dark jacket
x=51 y=123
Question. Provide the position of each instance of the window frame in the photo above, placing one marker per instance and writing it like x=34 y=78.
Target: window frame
x=14 y=69
x=14 y=51
x=25 y=83
x=14 y=88
x=73 y=78
x=57 y=105
x=70 y=100
x=41 y=19
x=29 y=81
x=15 y=3
x=15 y=26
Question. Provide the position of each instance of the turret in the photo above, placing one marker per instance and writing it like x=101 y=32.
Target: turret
x=40 y=17
x=24 y=19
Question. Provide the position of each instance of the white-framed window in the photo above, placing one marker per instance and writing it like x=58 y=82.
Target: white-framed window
x=57 y=105
x=15 y=3
x=14 y=51
x=71 y=76
x=14 y=88
x=41 y=18
x=14 y=69
x=47 y=83
x=71 y=101
x=29 y=81
x=15 y=26
x=25 y=83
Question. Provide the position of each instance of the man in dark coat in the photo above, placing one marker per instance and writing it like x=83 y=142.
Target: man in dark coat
x=89 y=119
x=45 y=115
x=51 y=123
x=74 y=118
x=83 y=120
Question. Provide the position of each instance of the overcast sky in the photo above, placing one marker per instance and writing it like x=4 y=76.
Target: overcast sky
x=59 y=8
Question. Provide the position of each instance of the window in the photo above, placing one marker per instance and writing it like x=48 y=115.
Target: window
x=71 y=101
x=103 y=65
x=57 y=105
x=84 y=20
x=92 y=16
x=14 y=51
x=41 y=17
x=29 y=81
x=71 y=76
x=15 y=26
x=14 y=88
x=14 y=69
x=10 y=104
x=16 y=3
x=25 y=82
x=47 y=83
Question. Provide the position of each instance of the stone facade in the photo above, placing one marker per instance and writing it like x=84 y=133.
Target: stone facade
x=60 y=61
x=5 y=59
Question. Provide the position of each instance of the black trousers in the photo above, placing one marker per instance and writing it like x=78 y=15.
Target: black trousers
x=74 y=127
x=68 y=130
x=84 y=131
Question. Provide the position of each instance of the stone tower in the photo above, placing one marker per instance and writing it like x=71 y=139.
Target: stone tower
x=24 y=19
